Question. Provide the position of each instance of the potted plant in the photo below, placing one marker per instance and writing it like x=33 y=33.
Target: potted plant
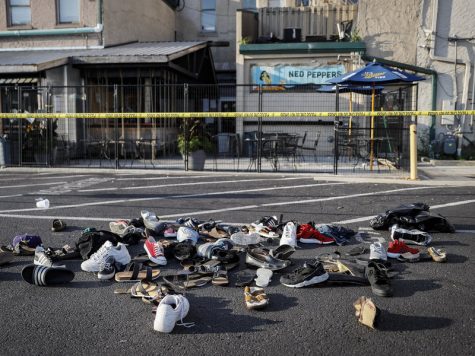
x=40 y=140
x=195 y=141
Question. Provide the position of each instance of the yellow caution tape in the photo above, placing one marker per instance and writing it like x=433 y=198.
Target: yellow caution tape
x=186 y=115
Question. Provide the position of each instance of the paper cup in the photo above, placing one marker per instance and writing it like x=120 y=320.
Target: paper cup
x=42 y=203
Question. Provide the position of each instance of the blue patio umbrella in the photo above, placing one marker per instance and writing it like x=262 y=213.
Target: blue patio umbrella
x=374 y=74
x=350 y=88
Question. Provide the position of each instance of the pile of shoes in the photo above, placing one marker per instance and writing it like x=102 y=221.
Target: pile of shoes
x=145 y=250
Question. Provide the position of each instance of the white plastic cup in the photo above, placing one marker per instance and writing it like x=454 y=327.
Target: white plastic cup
x=42 y=203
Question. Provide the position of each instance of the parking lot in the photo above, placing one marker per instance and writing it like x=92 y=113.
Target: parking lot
x=432 y=310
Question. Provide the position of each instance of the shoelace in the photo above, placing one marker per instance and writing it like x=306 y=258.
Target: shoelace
x=105 y=265
x=101 y=253
x=182 y=323
x=158 y=249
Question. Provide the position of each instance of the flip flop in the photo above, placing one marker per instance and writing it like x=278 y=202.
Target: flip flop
x=264 y=276
x=5 y=258
x=133 y=272
x=184 y=281
x=144 y=289
x=58 y=225
x=220 y=278
x=244 y=278
x=45 y=276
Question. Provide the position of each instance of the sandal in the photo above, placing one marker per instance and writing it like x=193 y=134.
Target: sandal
x=220 y=278
x=263 y=231
x=145 y=289
x=133 y=272
x=437 y=254
x=264 y=276
x=255 y=298
x=184 y=281
x=58 y=225
x=244 y=277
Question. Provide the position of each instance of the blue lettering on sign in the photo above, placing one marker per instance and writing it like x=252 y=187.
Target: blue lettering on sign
x=294 y=75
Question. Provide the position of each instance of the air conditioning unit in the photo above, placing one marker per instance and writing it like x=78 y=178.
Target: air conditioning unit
x=292 y=34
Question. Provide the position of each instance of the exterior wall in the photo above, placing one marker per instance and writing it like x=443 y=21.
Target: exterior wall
x=417 y=33
x=43 y=16
x=125 y=21
x=189 y=20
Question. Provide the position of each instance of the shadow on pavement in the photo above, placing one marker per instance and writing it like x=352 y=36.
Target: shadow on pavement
x=224 y=319
x=406 y=288
x=397 y=322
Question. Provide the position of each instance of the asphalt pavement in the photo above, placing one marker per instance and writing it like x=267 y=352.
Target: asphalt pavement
x=432 y=310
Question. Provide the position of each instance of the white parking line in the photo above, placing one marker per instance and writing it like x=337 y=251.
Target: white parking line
x=29 y=185
x=191 y=183
x=118 y=201
x=9 y=196
x=29 y=177
x=174 y=177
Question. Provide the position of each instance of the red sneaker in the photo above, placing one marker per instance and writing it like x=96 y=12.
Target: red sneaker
x=398 y=247
x=154 y=251
x=307 y=234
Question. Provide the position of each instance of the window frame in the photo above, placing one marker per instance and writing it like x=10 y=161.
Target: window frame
x=209 y=11
x=10 y=15
x=58 y=14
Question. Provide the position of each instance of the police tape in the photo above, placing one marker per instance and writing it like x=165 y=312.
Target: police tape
x=244 y=115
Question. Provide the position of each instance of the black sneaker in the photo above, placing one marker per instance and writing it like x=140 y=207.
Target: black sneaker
x=184 y=250
x=307 y=275
x=107 y=269
x=377 y=275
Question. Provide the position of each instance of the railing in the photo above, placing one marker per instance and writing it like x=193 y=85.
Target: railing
x=277 y=144
x=316 y=23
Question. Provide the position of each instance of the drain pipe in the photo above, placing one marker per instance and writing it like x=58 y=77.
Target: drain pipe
x=60 y=31
x=455 y=61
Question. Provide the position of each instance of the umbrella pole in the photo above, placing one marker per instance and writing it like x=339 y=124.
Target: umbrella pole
x=371 y=152
x=351 y=109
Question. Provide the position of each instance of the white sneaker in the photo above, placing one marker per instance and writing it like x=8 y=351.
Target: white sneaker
x=150 y=220
x=172 y=308
x=289 y=235
x=243 y=239
x=119 y=252
x=42 y=259
x=377 y=252
x=186 y=233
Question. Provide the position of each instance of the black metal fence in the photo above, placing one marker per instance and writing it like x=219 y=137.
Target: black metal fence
x=280 y=144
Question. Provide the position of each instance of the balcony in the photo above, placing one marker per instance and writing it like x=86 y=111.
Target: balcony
x=321 y=23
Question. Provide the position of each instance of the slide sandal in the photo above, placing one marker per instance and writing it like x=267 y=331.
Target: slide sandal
x=264 y=276
x=145 y=289
x=45 y=276
x=183 y=281
x=220 y=278
x=244 y=277
x=134 y=272
x=5 y=257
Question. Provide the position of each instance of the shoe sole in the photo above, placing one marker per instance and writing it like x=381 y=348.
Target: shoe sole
x=160 y=262
x=105 y=276
x=393 y=255
x=314 y=241
x=314 y=280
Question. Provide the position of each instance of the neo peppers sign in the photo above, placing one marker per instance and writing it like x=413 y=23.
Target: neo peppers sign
x=285 y=75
